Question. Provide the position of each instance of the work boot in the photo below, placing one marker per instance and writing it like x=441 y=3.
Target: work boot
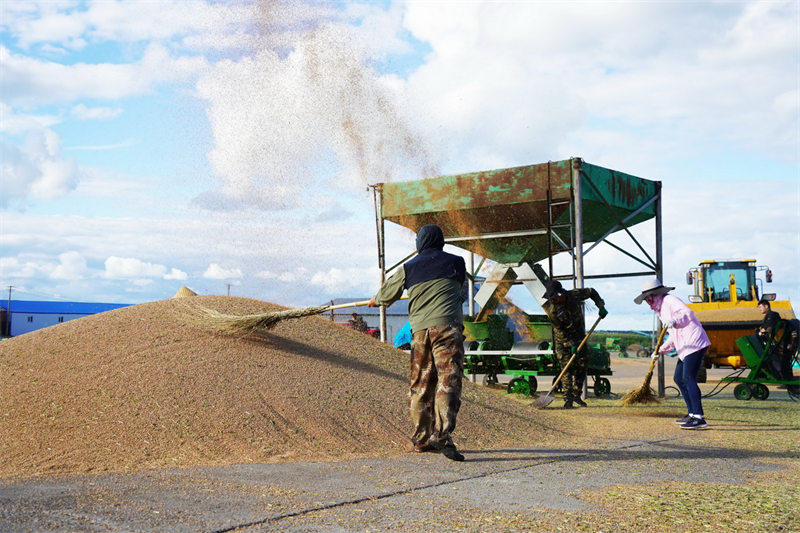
x=448 y=450
x=580 y=402
x=451 y=453
x=568 y=405
x=423 y=447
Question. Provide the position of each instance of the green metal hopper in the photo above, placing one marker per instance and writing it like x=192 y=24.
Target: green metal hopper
x=515 y=215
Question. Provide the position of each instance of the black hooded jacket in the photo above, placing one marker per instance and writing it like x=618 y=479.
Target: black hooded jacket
x=431 y=262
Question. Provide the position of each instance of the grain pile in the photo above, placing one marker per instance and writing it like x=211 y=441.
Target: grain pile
x=184 y=292
x=145 y=386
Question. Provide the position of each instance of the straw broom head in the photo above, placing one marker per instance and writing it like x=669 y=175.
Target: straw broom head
x=643 y=394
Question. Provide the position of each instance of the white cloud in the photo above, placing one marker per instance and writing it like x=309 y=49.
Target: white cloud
x=35 y=170
x=287 y=276
x=76 y=26
x=25 y=80
x=215 y=271
x=127 y=143
x=505 y=84
x=81 y=112
x=13 y=267
x=72 y=265
x=344 y=280
x=14 y=123
x=177 y=274
x=131 y=268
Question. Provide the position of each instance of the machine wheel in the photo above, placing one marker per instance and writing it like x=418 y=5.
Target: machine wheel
x=602 y=387
x=490 y=379
x=760 y=391
x=533 y=384
x=519 y=385
x=742 y=391
x=642 y=353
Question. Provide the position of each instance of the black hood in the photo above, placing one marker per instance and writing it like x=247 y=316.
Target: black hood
x=430 y=237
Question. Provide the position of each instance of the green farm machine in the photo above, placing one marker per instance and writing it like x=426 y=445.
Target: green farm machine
x=490 y=352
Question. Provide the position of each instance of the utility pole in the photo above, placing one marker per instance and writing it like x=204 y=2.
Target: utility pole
x=229 y=288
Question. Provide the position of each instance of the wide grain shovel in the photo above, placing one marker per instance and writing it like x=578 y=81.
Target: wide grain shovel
x=543 y=401
x=645 y=394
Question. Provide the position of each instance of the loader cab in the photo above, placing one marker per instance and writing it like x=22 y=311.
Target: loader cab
x=724 y=281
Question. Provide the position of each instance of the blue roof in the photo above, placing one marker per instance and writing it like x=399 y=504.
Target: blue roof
x=58 y=308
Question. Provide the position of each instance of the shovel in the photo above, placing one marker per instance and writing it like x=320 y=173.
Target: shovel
x=543 y=401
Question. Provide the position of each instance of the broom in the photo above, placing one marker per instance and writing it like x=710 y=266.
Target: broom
x=645 y=394
x=543 y=401
x=247 y=323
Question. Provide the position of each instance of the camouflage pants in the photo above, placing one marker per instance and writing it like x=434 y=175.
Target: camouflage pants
x=572 y=382
x=437 y=366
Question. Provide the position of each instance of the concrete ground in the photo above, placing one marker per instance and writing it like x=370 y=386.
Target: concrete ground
x=405 y=493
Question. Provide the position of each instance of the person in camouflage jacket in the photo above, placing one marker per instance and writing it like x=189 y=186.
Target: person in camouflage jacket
x=435 y=282
x=565 y=310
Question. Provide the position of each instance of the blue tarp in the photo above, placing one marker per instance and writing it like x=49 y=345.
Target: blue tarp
x=403 y=336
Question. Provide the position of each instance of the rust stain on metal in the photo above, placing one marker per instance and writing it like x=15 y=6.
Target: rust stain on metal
x=509 y=200
x=627 y=190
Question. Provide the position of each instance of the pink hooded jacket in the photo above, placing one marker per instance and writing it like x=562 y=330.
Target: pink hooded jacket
x=686 y=335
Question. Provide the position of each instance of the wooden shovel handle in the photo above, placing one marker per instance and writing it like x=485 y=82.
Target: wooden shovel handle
x=658 y=345
x=360 y=303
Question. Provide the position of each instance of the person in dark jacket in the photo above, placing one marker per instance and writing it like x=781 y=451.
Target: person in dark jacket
x=358 y=323
x=783 y=340
x=434 y=280
x=565 y=310
x=764 y=330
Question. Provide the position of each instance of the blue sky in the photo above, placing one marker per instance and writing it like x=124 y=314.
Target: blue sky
x=227 y=146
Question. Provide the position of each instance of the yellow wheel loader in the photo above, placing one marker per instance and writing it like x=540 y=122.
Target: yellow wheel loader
x=725 y=301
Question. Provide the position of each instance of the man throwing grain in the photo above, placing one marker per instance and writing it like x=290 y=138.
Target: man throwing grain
x=434 y=280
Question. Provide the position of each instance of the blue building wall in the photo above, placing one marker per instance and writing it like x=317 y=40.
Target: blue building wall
x=29 y=315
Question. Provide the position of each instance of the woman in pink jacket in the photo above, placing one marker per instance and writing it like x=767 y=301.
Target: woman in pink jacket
x=688 y=338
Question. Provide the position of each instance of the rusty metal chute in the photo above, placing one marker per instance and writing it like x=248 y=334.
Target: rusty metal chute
x=524 y=214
